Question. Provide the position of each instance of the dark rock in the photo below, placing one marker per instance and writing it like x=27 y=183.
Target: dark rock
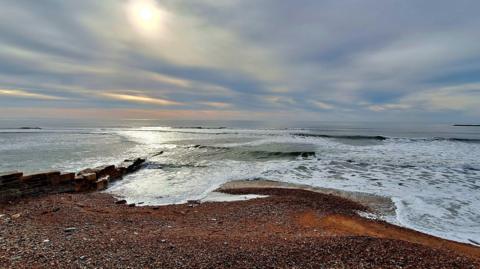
x=81 y=184
x=41 y=179
x=67 y=177
x=131 y=205
x=158 y=154
x=132 y=165
x=90 y=176
x=10 y=176
x=475 y=242
x=121 y=202
x=30 y=128
x=102 y=183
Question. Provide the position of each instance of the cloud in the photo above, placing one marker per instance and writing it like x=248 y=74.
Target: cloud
x=217 y=104
x=280 y=100
x=322 y=105
x=464 y=98
x=389 y=57
x=29 y=95
x=140 y=99
x=384 y=107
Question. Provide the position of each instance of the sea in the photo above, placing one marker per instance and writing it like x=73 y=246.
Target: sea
x=430 y=171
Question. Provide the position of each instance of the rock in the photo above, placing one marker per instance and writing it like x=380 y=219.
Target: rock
x=70 y=229
x=10 y=176
x=16 y=216
x=67 y=177
x=46 y=241
x=102 y=171
x=475 y=242
x=121 y=202
x=102 y=184
x=81 y=184
x=86 y=171
x=132 y=165
x=90 y=176
x=40 y=179
x=106 y=170
x=194 y=202
x=131 y=205
x=8 y=194
x=158 y=154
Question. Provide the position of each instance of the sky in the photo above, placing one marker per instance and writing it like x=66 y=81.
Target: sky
x=322 y=60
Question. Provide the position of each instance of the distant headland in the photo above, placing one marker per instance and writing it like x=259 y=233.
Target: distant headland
x=30 y=128
x=466 y=125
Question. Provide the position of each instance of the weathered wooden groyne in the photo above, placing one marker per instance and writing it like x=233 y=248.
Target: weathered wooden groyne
x=14 y=185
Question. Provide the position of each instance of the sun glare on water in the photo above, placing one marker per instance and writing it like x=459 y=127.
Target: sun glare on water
x=147 y=17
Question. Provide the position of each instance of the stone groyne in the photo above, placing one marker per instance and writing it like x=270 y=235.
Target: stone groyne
x=15 y=184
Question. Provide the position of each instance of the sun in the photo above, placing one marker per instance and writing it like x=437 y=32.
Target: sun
x=146 y=14
x=147 y=17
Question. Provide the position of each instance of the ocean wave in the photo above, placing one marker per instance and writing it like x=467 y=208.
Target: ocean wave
x=201 y=128
x=454 y=139
x=351 y=137
x=247 y=152
x=382 y=138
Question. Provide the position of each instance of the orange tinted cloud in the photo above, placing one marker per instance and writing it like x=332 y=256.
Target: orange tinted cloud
x=140 y=99
x=31 y=95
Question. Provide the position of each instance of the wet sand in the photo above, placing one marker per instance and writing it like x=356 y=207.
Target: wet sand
x=291 y=228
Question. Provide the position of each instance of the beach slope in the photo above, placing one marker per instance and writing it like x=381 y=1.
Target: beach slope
x=290 y=228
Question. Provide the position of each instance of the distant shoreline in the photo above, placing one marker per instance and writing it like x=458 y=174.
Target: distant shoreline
x=466 y=125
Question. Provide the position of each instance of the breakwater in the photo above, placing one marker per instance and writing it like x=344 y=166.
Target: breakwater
x=14 y=185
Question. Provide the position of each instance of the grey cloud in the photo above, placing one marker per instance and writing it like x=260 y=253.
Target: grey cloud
x=313 y=56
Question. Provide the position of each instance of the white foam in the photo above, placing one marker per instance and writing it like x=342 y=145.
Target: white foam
x=224 y=197
x=427 y=180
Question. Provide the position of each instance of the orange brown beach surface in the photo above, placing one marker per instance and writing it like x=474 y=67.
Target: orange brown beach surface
x=289 y=228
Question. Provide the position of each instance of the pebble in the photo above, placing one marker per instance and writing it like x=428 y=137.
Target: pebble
x=69 y=229
x=248 y=243
x=16 y=216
